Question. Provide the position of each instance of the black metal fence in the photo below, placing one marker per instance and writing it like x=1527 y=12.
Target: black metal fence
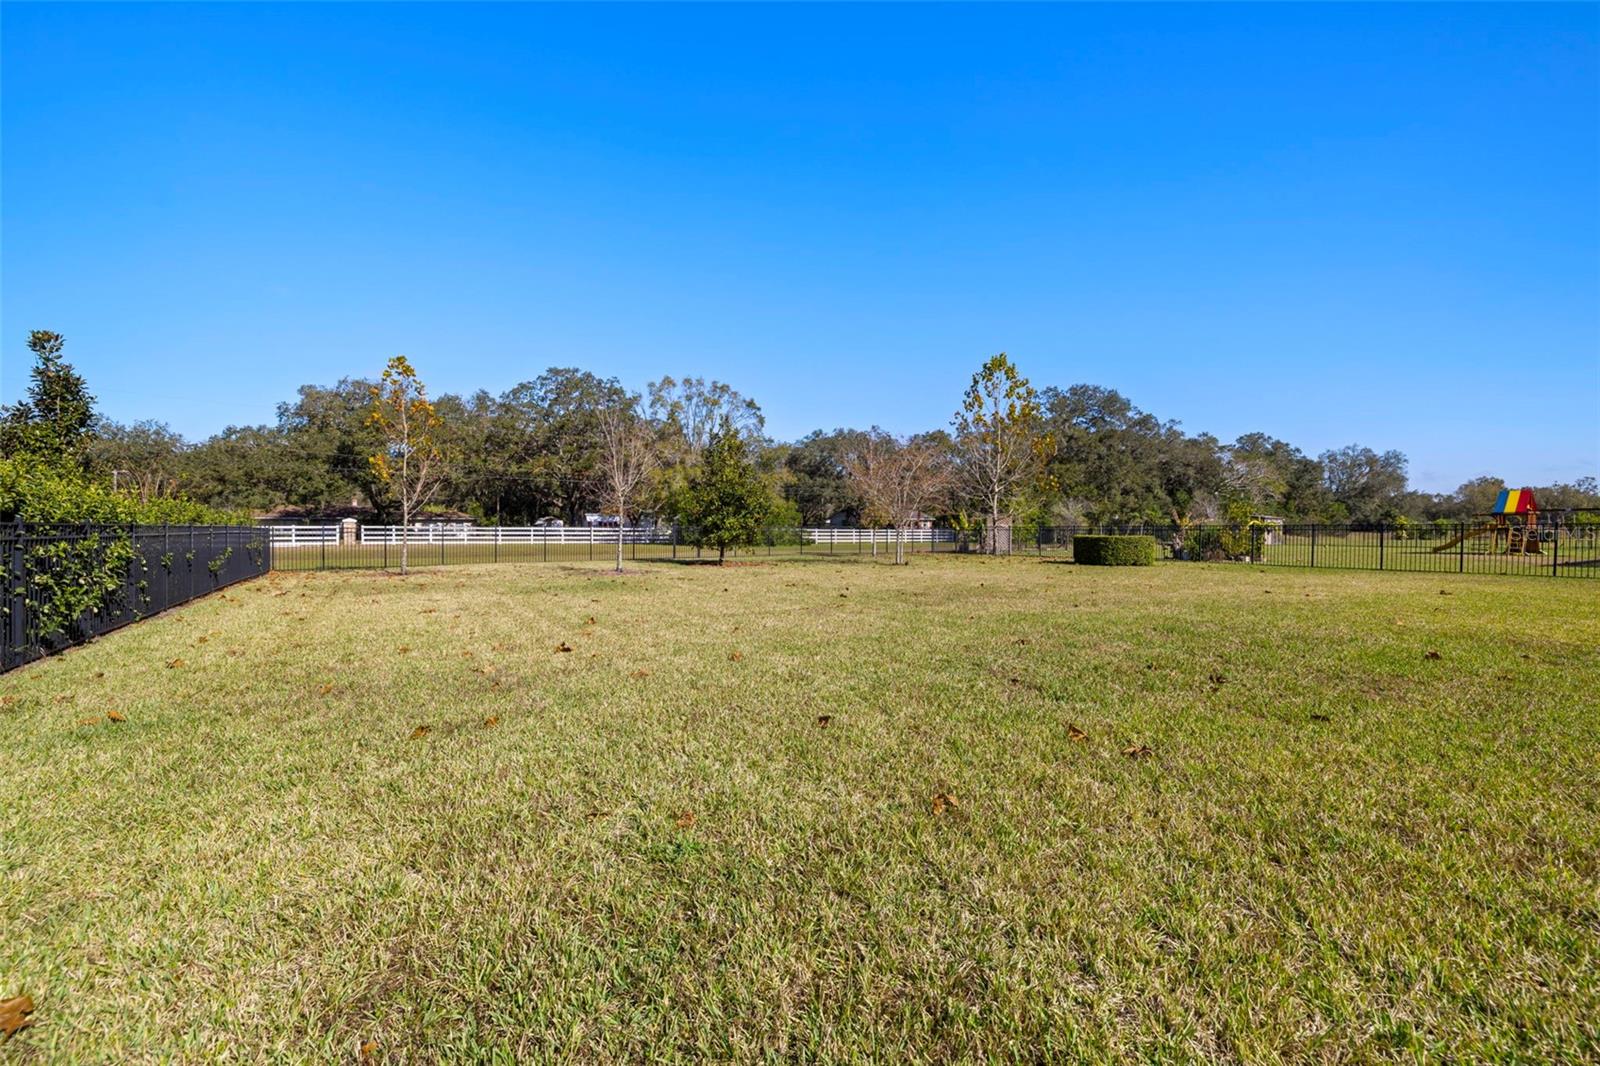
x=379 y=548
x=65 y=584
x=1435 y=548
x=1464 y=547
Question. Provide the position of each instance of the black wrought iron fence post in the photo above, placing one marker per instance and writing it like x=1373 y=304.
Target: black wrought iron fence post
x=1461 y=547
x=1380 y=545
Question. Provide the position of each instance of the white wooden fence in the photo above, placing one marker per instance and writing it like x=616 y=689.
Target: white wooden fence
x=839 y=535
x=442 y=534
x=302 y=536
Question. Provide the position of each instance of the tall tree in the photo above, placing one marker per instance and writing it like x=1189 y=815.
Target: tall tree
x=1106 y=454
x=53 y=423
x=411 y=461
x=147 y=457
x=692 y=411
x=628 y=458
x=817 y=482
x=728 y=501
x=329 y=436
x=548 y=430
x=1364 y=483
x=1002 y=444
x=899 y=481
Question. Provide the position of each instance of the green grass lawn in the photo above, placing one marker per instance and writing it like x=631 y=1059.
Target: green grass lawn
x=344 y=808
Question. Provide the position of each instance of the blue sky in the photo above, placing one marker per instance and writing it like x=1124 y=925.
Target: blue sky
x=1332 y=224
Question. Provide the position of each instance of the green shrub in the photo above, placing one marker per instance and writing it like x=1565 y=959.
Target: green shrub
x=1094 y=549
x=70 y=578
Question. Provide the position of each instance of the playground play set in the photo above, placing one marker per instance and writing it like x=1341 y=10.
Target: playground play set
x=1514 y=525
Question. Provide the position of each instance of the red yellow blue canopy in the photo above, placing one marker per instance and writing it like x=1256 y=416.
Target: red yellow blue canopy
x=1514 y=501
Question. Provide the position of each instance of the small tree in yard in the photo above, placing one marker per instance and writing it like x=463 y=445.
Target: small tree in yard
x=627 y=460
x=728 y=501
x=411 y=462
x=896 y=481
x=998 y=433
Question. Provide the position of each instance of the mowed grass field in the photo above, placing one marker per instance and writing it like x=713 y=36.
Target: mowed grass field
x=347 y=811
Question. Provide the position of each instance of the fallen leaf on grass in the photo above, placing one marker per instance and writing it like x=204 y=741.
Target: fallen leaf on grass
x=173 y=664
x=1074 y=733
x=640 y=673
x=1321 y=718
x=201 y=639
x=491 y=721
x=89 y=721
x=563 y=647
x=1446 y=592
x=1138 y=751
x=944 y=801
x=684 y=820
x=115 y=716
x=735 y=657
x=824 y=719
x=1432 y=656
x=420 y=732
x=368 y=1049
x=589 y=621
x=402 y=649
x=14 y=1014
x=327 y=688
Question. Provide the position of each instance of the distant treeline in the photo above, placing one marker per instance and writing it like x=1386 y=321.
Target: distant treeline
x=536 y=450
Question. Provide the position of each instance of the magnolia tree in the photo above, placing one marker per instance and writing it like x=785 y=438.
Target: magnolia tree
x=411 y=463
x=728 y=502
x=628 y=456
x=898 y=481
x=999 y=439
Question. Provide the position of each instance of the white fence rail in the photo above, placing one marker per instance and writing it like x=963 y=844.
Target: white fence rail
x=426 y=534
x=831 y=535
x=301 y=536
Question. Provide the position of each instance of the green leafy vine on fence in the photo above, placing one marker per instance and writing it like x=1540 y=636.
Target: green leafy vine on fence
x=85 y=571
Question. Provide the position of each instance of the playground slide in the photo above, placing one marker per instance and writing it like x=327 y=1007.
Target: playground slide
x=1473 y=532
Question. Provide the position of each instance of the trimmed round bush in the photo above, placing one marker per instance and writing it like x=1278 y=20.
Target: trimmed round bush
x=1098 y=549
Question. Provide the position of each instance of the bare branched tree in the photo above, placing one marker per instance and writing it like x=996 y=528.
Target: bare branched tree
x=628 y=456
x=1002 y=440
x=411 y=462
x=897 y=481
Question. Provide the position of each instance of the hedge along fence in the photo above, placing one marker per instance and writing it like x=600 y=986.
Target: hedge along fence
x=1105 y=549
x=67 y=584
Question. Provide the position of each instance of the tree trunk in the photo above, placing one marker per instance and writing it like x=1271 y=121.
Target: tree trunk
x=722 y=554
x=994 y=525
x=405 y=536
x=900 y=547
x=619 y=544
